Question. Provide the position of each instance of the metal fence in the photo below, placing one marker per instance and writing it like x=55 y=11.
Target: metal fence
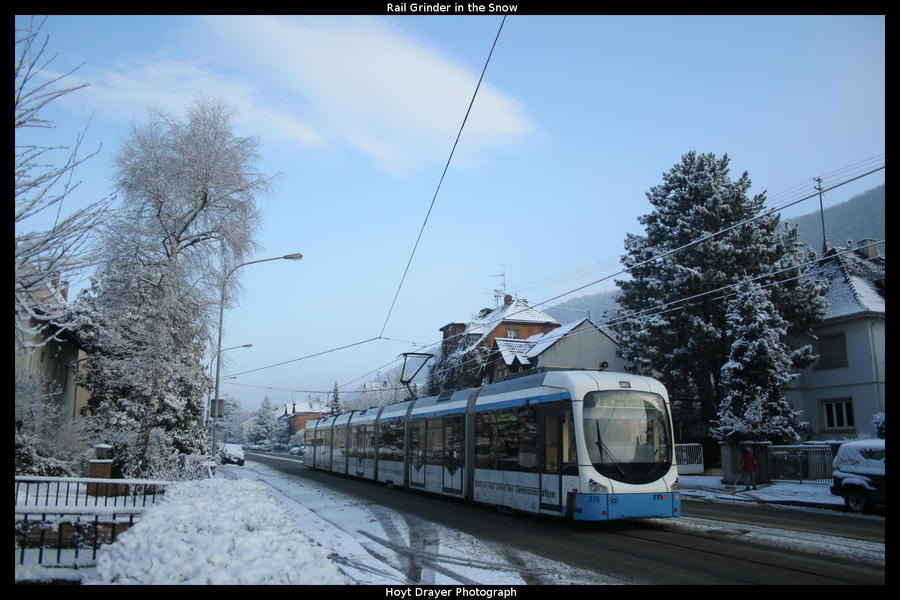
x=689 y=458
x=62 y=521
x=803 y=464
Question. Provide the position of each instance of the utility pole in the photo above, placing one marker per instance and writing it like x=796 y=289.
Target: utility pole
x=818 y=181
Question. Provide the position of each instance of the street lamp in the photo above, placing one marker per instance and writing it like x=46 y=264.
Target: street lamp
x=295 y=256
x=209 y=408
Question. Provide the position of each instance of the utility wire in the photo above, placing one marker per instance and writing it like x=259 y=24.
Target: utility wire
x=625 y=270
x=446 y=166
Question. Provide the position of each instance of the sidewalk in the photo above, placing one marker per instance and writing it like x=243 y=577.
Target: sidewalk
x=795 y=494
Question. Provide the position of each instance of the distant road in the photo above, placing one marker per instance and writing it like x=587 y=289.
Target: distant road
x=655 y=553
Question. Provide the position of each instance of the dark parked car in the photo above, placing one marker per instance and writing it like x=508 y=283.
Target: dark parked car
x=858 y=474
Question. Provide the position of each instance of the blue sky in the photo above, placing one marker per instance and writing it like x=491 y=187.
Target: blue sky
x=577 y=117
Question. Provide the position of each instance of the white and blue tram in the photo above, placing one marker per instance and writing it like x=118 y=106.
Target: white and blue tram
x=589 y=445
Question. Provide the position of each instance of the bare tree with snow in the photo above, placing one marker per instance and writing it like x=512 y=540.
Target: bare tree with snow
x=52 y=242
x=189 y=213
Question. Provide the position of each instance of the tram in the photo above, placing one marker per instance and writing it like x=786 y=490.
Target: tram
x=583 y=445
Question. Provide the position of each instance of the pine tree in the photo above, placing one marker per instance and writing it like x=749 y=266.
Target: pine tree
x=264 y=425
x=334 y=405
x=676 y=326
x=754 y=405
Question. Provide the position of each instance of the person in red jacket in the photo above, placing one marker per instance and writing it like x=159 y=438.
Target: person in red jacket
x=748 y=466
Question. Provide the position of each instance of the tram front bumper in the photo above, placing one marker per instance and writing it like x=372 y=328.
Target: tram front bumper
x=607 y=507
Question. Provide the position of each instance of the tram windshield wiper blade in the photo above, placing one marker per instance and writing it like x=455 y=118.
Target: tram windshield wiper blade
x=603 y=449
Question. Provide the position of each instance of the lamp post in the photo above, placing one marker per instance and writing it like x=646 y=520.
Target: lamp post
x=295 y=256
x=209 y=404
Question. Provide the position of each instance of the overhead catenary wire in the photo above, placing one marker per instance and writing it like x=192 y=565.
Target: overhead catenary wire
x=579 y=288
x=443 y=174
x=683 y=303
x=778 y=202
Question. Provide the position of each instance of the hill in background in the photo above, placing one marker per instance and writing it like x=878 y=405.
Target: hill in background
x=859 y=218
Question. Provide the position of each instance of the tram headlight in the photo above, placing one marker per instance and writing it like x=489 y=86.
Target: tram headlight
x=597 y=488
x=675 y=485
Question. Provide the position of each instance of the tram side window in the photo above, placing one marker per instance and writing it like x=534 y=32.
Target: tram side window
x=484 y=441
x=506 y=439
x=391 y=447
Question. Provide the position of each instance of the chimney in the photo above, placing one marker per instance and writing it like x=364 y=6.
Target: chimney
x=507 y=300
x=867 y=248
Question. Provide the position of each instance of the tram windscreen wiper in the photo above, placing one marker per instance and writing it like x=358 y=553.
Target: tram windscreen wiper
x=603 y=449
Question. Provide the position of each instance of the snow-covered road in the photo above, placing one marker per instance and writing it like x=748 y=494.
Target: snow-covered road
x=376 y=545
x=256 y=525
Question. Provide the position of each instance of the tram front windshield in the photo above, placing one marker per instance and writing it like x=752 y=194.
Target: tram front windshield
x=628 y=435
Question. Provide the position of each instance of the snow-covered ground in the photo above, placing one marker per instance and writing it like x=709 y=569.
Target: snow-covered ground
x=255 y=525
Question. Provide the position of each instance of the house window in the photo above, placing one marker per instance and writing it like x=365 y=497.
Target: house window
x=832 y=352
x=838 y=413
x=512 y=333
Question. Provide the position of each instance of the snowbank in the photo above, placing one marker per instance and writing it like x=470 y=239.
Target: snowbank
x=216 y=531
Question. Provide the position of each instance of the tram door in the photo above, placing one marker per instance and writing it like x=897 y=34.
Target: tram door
x=454 y=455
x=417 y=453
x=550 y=430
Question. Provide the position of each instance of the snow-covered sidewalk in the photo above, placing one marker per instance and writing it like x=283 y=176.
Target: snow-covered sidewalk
x=812 y=495
x=256 y=525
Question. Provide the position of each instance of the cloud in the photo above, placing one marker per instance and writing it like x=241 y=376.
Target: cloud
x=356 y=85
x=374 y=88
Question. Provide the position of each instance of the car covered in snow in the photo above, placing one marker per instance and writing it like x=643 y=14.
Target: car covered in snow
x=232 y=454
x=858 y=474
x=298 y=450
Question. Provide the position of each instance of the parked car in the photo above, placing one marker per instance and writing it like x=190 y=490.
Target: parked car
x=858 y=474
x=232 y=453
x=297 y=451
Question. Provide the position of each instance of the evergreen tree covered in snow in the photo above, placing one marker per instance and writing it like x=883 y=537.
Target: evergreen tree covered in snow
x=265 y=425
x=334 y=404
x=233 y=414
x=145 y=367
x=676 y=327
x=754 y=405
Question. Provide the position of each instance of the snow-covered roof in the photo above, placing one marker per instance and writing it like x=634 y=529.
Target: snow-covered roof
x=512 y=349
x=542 y=341
x=856 y=283
x=518 y=311
x=528 y=349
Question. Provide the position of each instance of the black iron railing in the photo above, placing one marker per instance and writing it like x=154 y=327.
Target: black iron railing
x=63 y=521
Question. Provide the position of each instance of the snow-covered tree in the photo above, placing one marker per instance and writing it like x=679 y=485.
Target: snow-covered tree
x=233 y=414
x=754 y=405
x=52 y=239
x=676 y=324
x=188 y=214
x=334 y=403
x=145 y=368
x=265 y=426
x=46 y=438
x=458 y=369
